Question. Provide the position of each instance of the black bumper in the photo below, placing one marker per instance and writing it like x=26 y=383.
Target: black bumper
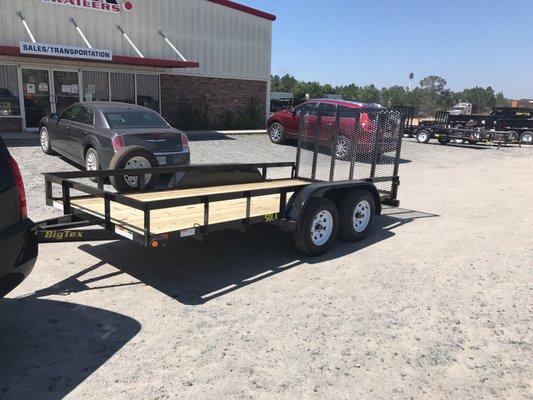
x=18 y=250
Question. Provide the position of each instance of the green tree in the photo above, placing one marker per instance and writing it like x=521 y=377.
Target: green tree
x=434 y=83
x=393 y=96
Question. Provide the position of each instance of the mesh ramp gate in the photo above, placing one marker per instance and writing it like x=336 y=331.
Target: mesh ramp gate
x=337 y=143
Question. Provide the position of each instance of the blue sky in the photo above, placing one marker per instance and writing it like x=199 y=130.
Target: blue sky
x=468 y=42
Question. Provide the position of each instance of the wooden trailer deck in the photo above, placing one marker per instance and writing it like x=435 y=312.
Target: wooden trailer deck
x=190 y=216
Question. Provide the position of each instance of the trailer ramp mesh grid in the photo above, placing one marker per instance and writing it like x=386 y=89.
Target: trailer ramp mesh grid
x=338 y=143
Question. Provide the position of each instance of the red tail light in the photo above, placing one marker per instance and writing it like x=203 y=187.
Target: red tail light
x=118 y=142
x=184 y=142
x=19 y=184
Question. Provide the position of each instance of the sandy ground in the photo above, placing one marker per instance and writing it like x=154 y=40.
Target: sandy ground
x=437 y=303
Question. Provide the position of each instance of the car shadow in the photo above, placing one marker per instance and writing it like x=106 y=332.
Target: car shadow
x=195 y=272
x=49 y=347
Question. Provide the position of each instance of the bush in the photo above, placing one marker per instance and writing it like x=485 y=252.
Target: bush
x=193 y=116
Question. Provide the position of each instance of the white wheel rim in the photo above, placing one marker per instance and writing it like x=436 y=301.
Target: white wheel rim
x=527 y=138
x=137 y=163
x=275 y=132
x=91 y=164
x=422 y=136
x=44 y=138
x=361 y=216
x=321 y=228
x=341 y=147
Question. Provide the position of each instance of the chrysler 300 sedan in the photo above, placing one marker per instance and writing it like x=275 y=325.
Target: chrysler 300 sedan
x=93 y=133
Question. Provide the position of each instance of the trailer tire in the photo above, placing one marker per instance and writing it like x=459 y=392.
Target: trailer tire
x=132 y=157
x=357 y=214
x=423 y=136
x=318 y=227
x=444 y=141
x=526 y=137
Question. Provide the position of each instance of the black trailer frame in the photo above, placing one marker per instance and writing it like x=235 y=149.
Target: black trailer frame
x=77 y=225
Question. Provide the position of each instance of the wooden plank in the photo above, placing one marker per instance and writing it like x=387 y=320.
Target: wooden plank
x=183 y=217
x=206 y=191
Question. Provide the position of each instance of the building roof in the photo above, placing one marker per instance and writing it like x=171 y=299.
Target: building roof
x=245 y=9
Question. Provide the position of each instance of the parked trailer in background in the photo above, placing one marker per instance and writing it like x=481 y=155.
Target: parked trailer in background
x=319 y=198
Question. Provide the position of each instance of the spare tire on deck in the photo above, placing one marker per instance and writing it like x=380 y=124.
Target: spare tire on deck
x=133 y=157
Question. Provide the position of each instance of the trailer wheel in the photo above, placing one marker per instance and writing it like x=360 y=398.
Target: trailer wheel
x=357 y=213
x=318 y=227
x=526 y=137
x=444 y=141
x=423 y=136
x=133 y=157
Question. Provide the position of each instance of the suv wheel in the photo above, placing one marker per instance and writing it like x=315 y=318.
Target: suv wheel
x=276 y=132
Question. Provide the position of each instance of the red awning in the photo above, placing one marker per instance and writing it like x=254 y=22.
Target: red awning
x=120 y=60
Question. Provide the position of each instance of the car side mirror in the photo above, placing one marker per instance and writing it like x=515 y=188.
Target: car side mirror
x=54 y=116
x=293 y=112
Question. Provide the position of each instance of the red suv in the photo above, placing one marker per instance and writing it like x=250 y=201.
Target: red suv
x=283 y=125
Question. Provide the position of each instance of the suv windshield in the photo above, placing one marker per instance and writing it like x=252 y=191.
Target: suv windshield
x=134 y=119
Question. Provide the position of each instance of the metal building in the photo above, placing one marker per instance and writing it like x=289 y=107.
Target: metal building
x=201 y=63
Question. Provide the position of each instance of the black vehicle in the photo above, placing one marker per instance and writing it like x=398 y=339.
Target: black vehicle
x=18 y=241
x=320 y=197
x=109 y=135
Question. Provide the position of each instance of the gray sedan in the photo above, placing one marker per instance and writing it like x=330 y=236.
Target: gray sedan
x=108 y=135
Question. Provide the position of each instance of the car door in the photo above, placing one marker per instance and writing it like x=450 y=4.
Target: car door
x=63 y=127
x=81 y=126
x=306 y=119
x=327 y=112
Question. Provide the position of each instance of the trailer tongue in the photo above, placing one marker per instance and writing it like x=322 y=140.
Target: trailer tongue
x=317 y=196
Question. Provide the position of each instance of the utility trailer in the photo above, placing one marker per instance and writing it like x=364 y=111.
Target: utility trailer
x=445 y=132
x=316 y=196
x=408 y=114
x=516 y=122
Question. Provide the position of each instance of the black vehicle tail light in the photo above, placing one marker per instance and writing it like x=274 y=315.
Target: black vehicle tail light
x=19 y=184
x=184 y=142
x=118 y=142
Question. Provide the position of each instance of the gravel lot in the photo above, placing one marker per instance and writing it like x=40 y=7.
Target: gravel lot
x=437 y=303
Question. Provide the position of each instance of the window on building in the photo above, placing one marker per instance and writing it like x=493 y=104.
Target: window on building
x=9 y=91
x=95 y=86
x=123 y=87
x=148 y=91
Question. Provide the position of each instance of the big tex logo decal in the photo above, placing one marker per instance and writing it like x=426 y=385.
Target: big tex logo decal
x=113 y=6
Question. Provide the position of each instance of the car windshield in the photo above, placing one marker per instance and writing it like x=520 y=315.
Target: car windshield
x=134 y=119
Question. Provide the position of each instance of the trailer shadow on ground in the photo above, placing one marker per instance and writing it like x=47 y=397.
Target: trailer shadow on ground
x=49 y=347
x=195 y=272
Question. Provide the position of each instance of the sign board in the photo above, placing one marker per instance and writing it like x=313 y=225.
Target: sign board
x=58 y=50
x=110 y=6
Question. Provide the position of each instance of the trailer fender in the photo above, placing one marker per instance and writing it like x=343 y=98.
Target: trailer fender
x=331 y=190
